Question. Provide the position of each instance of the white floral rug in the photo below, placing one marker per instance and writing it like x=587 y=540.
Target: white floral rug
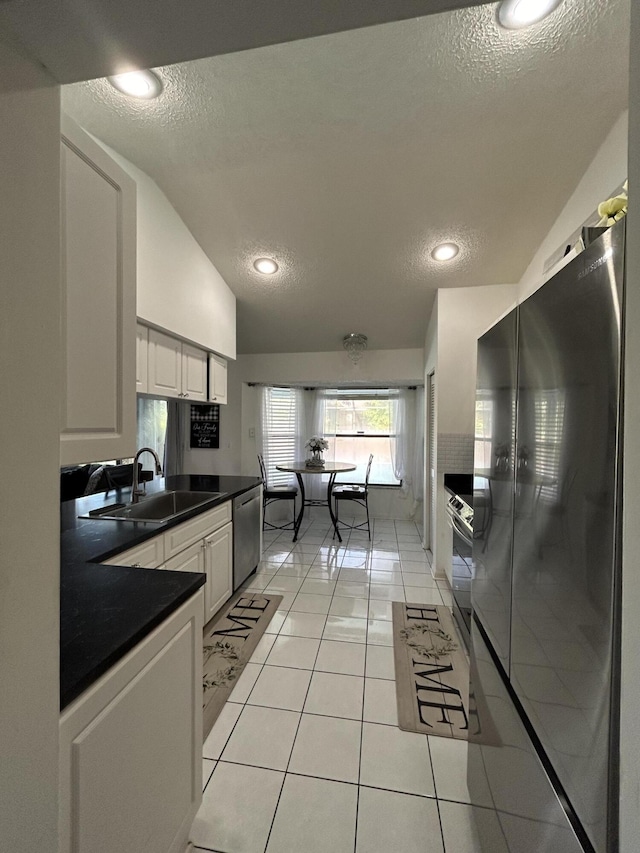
x=229 y=642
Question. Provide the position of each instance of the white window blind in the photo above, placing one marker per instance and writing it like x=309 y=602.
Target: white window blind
x=549 y=430
x=280 y=417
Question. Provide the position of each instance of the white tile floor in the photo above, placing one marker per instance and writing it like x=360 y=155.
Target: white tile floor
x=306 y=757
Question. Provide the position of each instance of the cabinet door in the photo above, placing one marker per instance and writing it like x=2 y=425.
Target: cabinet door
x=192 y=559
x=194 y=373
x=165 y=365
x=189 y=560
x=219 y=568
x=131 y=747
x=217 y=379
x=98 y=229
x=142 y=353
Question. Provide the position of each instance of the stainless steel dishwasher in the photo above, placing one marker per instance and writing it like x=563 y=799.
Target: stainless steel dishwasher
x=246 y=535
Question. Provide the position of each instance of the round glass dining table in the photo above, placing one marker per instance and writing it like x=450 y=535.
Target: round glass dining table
x=330 y=468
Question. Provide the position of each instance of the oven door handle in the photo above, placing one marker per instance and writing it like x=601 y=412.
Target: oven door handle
x=460 y=529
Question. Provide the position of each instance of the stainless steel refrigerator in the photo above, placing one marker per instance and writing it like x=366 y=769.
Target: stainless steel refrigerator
x=543 y=752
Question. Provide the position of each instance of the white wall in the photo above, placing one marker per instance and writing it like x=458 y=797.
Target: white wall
x=607 y=171
x=402 y=366
x=30 y=360
x=462 y=315
x=179 y=289
x=630 y=699
x=430 y=364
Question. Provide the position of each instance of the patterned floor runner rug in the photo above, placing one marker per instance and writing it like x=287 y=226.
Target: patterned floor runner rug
x=229 y=642
x=432 y=671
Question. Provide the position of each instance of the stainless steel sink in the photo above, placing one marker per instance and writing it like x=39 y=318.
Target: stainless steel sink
x=162 y=506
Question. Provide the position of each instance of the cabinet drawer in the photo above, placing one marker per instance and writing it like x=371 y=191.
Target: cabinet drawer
x=180 y=537
x=149 y=555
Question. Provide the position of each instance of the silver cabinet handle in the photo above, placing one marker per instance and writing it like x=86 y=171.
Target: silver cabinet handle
x=185 y=395
x=136 y=565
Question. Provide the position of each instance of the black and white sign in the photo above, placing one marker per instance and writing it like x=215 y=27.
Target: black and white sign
x=205 y=426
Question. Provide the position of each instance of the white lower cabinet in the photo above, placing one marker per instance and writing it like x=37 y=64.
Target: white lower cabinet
x=189 y=560
x=131 y=747
x=218 y=553
x=203 y=544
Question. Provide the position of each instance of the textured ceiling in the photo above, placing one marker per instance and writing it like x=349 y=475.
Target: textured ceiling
x=347 y=157
x=84 y=39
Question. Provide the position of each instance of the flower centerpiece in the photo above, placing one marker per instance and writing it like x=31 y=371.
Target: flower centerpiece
x=316 y=445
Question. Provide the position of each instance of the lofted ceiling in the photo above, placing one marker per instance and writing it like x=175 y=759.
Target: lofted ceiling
x=347 y=157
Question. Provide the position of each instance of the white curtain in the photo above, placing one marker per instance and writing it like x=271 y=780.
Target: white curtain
x=418 y=450
x=177 y=433
x=261 y=403
x=407 y=432
x=321 y=421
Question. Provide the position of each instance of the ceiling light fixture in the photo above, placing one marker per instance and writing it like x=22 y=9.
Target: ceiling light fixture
x=516 y=14
x=266 y=266
x=137 y=84
x=445 y=252
x=355 y=344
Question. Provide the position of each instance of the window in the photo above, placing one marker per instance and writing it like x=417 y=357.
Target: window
x=356 y=424
x=281 y=416
x=152 y=427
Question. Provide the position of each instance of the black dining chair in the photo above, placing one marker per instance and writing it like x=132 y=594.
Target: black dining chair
x=271 y=494
x=355 y=492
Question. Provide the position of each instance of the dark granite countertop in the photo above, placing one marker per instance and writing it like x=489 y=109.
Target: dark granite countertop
x=106 y=610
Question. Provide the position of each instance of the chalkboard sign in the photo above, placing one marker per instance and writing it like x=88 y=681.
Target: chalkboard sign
x=205 y=426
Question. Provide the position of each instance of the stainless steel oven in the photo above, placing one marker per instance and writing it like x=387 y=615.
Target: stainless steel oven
x=460 y=514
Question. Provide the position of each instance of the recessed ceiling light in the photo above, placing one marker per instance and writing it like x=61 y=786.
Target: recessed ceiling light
x=137 y=84
x=266 y=266
x=515 y=14
x=445 y=252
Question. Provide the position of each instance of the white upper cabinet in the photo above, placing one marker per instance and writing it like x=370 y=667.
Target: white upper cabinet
x=98 y=223
x=165 y=365
x=176 y=369
x=194 y=373
x=142 y=357
x=217 y=379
